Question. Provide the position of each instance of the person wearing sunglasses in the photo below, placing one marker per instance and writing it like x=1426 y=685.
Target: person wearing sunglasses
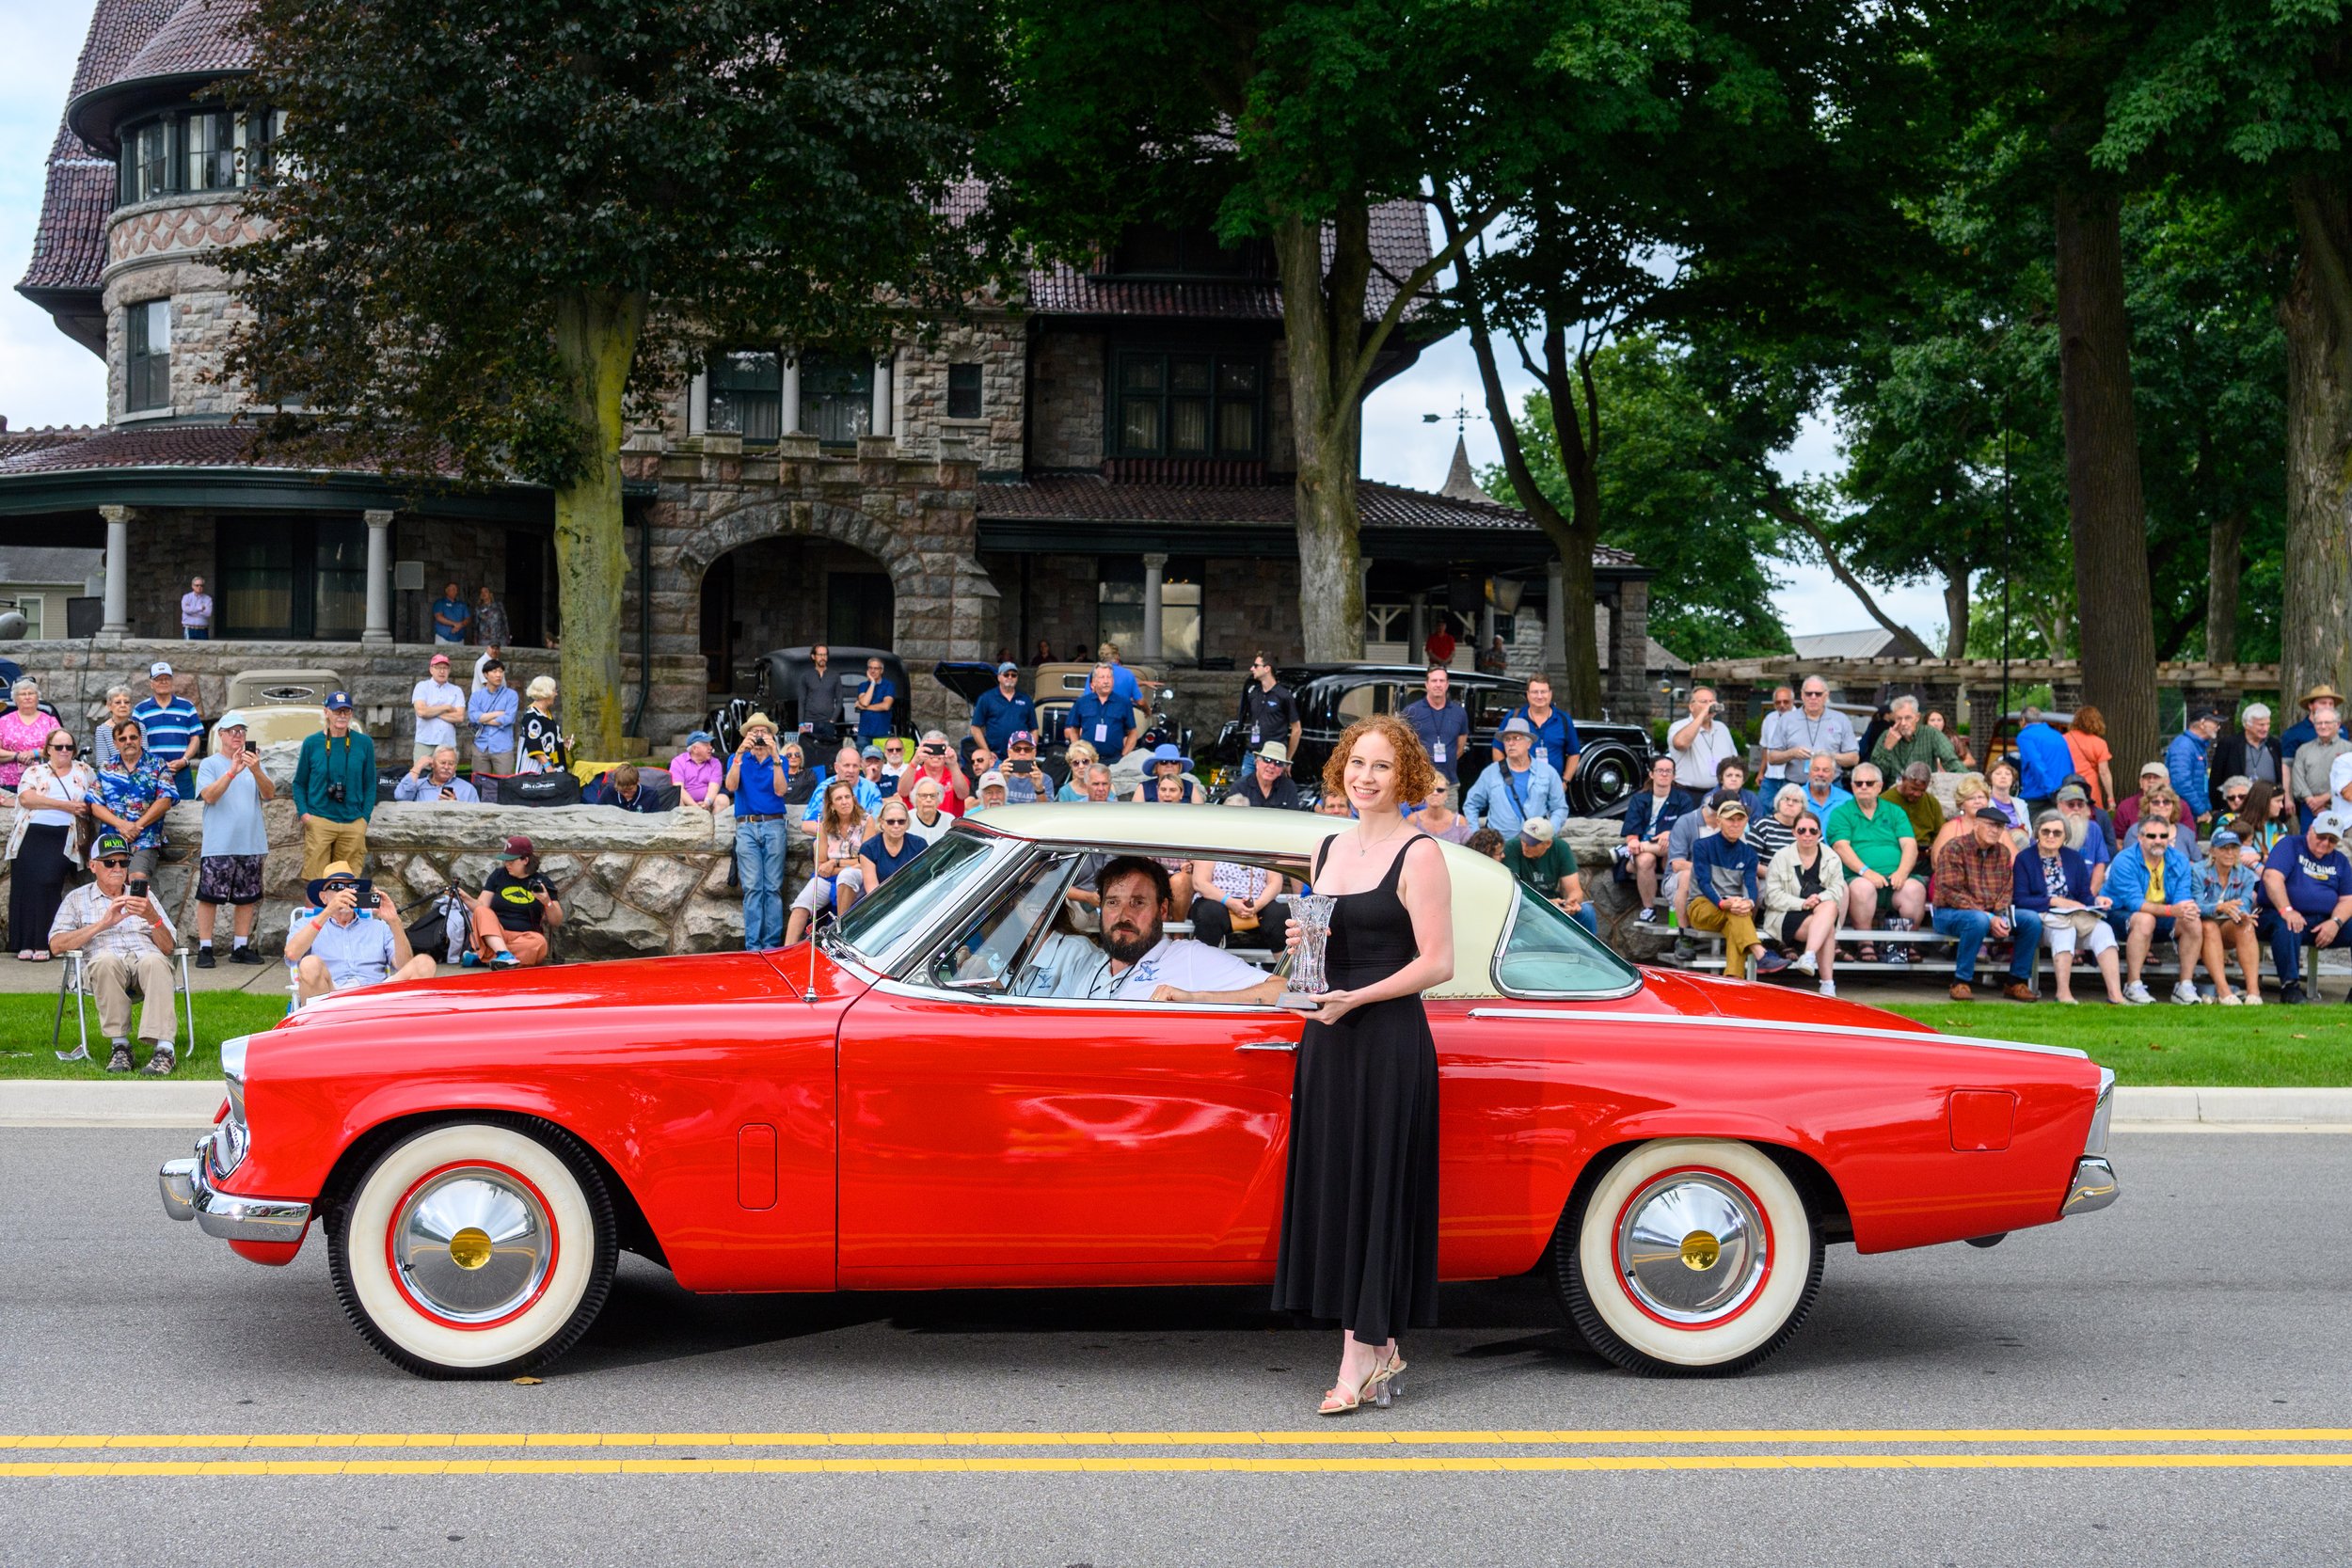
x=52 y=806
x=128 y=943
x=2308 y=883
x=2057 y=883
x=1805 y=888
x=2155 y=885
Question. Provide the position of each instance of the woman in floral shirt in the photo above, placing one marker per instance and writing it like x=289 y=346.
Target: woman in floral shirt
x=133 y=796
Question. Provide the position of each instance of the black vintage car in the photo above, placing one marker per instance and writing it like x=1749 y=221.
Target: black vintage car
x=780 y=672
x=1331 y=696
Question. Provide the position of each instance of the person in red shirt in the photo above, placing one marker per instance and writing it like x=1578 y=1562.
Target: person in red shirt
x=1440 y=644
x=933 y=759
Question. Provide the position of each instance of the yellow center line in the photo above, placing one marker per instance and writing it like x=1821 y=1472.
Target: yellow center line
x=1341 y=1436
x=1171 y=1464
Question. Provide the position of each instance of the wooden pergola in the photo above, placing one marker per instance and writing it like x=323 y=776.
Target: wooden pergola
x=1745 y=685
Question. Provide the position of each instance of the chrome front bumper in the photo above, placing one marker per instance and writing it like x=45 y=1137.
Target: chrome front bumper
x=2093 y=1188
x=188 y=1193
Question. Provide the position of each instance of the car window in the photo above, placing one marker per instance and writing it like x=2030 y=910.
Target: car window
x=887 y=919
x=1363 y=702
x=1545 y=954
x=986 y=953
x=1490 y=705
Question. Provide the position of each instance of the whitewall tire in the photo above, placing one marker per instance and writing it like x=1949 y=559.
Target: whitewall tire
x=1688 y=1255
x=475 y=1249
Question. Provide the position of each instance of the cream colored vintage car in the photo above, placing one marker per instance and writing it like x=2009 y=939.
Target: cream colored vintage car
x=276 y=705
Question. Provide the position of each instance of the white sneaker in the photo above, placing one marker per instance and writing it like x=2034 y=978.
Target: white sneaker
x=2137 y=994
x=2253 y=998
x=2184 y=995
x=1829 y=988
x=2232 y=1001
x=1807 y=964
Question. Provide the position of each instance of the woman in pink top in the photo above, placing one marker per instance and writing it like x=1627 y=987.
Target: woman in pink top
x=23 y=728
x=696 y=771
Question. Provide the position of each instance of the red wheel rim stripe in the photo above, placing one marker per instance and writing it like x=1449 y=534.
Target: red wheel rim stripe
x=547 y=1276
x=1616 y=1267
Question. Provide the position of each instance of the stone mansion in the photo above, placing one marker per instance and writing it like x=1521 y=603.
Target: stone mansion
x=1108 y=457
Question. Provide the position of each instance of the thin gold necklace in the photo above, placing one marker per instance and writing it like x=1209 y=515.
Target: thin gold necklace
x=1364 y=848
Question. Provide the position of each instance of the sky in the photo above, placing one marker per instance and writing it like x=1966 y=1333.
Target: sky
x=46 y=379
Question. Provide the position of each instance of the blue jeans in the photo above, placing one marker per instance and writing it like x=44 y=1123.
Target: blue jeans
x=1970 y=928
x=2286 y=947
x=1583 y=915
x=196 y=634
x=759 y=866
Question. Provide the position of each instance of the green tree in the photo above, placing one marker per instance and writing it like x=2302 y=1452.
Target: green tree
x=1288 y=120
x=508 y=220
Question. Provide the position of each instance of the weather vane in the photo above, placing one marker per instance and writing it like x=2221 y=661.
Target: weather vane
x=1462 y=416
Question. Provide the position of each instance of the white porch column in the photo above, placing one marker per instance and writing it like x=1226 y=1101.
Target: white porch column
x=880 y=423
x=1154 y=590
x=790 y=422
x=1556 y=620
x=698 y=403
x=379 y=626
x=117 y=621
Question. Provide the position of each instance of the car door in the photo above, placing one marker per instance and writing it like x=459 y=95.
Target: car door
x=992 y=1138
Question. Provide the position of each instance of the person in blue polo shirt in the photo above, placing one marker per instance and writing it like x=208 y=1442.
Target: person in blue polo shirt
x=877 y=703
x=174 y=731
x=999 y=713
x=1556 y=740
x=756 y=781
x=1102 y=717
x=2307 y=882
x=2046 y=759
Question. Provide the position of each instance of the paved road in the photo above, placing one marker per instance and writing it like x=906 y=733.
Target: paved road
x=2213 y=1296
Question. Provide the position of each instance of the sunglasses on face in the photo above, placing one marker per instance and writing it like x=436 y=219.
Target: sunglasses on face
x=1865 y=783
x=2052 y=831
x=115 y=863
x=1808 y=832
x=59 y=746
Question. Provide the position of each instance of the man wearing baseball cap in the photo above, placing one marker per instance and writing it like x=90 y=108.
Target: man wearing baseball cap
x=2307 y=882
x=441 y=708
x=514 y=911
x=996 y=714
x=350 y=936
x=129 y=942
x=1025 y=778
x=229 y=865
x=334 y=791
x=1725 y=893
x=1547 y=867
x=2188 y=763
x=173 y=728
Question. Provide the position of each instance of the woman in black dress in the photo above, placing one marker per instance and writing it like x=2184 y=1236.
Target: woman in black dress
x=1360 y=1211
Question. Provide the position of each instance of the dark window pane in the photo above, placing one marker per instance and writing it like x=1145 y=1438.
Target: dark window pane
x=964 y=391
x=1189 y=374
x=1237 y=429
x=1141 y=374
x=1236 y=377
x=147 y=355
x=338 y=607
x=1188 y=425
x=256 y=577
x=746 y=395
x=1139 y=425
x=210 y=155
x=837 y=396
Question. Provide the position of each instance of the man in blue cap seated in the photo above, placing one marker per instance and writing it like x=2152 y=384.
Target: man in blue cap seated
x=1167 y=762
x=351 y=936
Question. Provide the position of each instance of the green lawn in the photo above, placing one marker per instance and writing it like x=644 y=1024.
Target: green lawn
x=2270 y=1046
x=25 y=1021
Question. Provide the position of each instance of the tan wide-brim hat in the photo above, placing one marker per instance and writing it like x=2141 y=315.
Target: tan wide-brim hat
x=759 y=721
x=2323 y=692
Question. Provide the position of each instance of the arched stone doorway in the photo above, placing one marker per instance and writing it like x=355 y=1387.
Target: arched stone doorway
x=782 y=592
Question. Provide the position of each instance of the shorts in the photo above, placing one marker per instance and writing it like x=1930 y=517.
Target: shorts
x=228 y=879
x=1792 y=927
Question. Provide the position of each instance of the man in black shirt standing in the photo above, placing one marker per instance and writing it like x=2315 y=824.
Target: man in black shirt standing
x=1268 y=782
x=1268 y=710
x=817 y=690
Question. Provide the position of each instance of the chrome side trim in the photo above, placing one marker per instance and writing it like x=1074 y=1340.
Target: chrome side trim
x=2093 y=1189
x=1843 y=1031
x=2097 y=1142
x=1269 y=1045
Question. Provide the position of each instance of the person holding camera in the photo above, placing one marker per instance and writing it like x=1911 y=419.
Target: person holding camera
x=514 y=909
x=1700 y=742
x=1025 y=778
x=334 y=791
x=350 y=937
x=129 y=942
x=756 y=780
x=433 y=778
x=229 y=861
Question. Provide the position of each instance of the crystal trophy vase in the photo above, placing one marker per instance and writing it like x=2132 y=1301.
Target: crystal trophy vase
x=1309 y=979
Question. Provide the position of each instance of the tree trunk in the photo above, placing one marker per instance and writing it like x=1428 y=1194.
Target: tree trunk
x=2316 y=615
x=1783 y=505
x=1956 y=612
x=2113 y=603
x=595 y=336
x=2223 y=559
x=1323 y=331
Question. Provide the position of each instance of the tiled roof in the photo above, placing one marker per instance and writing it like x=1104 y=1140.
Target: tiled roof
x=1084 y=498
x=164 y=446
x=70 y=246
x=203 y=36
x=29 y=563
x=16 y=443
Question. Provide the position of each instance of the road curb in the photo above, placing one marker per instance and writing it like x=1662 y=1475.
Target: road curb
x=190 y=1102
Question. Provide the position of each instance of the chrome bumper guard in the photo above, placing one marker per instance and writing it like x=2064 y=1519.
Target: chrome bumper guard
x=2094 y=1186
x=188 y=1194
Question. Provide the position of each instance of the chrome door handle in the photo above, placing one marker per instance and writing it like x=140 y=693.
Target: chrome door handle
x=1269 y=1045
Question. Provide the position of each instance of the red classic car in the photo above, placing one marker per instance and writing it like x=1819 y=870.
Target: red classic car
x=909 y=1102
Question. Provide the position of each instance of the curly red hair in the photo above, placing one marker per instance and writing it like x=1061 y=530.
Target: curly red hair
x=1416 y=775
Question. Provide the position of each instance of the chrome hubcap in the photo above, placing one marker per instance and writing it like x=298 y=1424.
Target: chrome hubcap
x=472 y=1245
x=1692 y=1248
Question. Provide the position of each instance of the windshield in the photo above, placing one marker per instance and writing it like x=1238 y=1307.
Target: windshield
x=913 y=898
x=1545 y=954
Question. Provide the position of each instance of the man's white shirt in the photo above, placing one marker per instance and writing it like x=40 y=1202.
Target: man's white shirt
x=1181 y=962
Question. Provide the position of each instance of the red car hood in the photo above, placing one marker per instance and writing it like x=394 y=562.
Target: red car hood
x=1705 y=996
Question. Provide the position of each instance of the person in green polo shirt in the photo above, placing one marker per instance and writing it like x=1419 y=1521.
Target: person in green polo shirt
x=1873 y=839
x=334 y=791
x=1907 y=741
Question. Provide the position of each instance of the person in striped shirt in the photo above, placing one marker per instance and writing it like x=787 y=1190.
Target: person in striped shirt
x=173 y=728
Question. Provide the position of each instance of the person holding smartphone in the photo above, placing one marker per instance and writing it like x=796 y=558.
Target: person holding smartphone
x=350 y=937
x=434 y=778
x=515 y=911
x=229 y=861
x=757 y=781
x=129 y=942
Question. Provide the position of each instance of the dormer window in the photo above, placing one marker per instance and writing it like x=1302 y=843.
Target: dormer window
x=199 y=149
x=1189 y=406
x=1164 y=250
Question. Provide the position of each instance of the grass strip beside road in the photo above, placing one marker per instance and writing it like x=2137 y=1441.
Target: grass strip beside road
x=26 y=1019
x=2214 y=1047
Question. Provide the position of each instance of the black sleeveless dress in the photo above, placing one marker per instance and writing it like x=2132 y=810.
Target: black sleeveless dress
x=1360 y=1211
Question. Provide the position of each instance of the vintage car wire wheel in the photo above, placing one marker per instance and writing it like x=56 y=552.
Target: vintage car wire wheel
x=1688 y=1255
x=475 y=1249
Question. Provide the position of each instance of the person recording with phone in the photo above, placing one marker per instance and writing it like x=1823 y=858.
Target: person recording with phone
x=334 y=790
x=129 y=942
x=228 y=859
x=350 y=937
x=514 y=911
x=434 y=778
x=757 y=780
